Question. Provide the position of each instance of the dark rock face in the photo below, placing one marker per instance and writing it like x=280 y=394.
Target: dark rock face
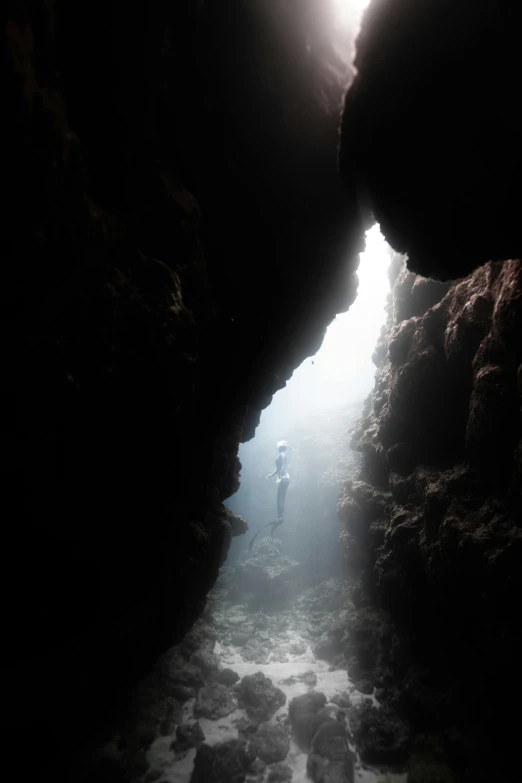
x=433 y=524
x=154 y=169
x=271 y=743
x=259 y=696
x=401 y=149
x=137 y=353
x=380 y=736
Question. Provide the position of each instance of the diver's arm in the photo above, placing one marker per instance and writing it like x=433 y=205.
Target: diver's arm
x=277 y=471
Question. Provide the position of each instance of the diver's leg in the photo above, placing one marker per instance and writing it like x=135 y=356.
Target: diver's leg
x=280 y=501
x=283 y=489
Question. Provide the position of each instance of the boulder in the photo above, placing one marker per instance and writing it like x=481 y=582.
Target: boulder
x=304 y=714
x=228 y=677
x=364 y=686
x=256 y=651
x=259 y=697
x=271 y=743
x=206 y=661
x=228 y=762
x=341 y=700
x=188 y=736
x=330 y=759
x=215 y=701
x=280 y=773
x=380 y=736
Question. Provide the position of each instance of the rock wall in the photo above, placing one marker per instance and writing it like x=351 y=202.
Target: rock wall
x=428 y=136
x=432 y=524
x=177 y=240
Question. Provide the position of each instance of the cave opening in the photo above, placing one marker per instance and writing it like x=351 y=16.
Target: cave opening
x=274 y=629
x=321 y=400
x=187 y=190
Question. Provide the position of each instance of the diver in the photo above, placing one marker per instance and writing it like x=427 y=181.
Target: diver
x=283 y=479
x=283 y=482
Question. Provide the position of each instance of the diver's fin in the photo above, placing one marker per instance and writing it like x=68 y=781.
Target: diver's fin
x=258 y=532
x=277 y=550
x=276 y=524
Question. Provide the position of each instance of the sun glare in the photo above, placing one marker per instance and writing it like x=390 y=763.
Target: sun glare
x=342 y=371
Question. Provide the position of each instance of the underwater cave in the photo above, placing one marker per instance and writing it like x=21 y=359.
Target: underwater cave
x=262 y=441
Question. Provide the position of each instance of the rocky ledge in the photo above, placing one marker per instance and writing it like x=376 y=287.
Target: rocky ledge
x=432 y=525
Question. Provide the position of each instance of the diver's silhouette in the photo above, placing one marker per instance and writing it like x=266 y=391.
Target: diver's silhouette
x=283 y=482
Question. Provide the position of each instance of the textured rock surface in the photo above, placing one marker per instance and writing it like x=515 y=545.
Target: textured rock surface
x=304 y=714
x=402 y=150
x=137 y=353
x=280 y=773
x=271 y=743
x=188 y=737
x=260 y=698
x=330 y=759
x=433 y=523
x=228 y=677
x=227 y=762
x=214 y=701
x=380 y=736
x=154 y=169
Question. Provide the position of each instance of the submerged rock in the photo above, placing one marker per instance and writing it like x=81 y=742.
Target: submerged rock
x=341 y=699
x=228 y=762
x=215 y=701
x=228 y=677
x=380 y=736
x=271 y=743
x=330 y=759
x=304 y=714
x=364 y=686
x=188 y=736
x=206 y=661
x=259 y=697
x=280 y=773
x=182 y=692
x=256 y=651
x=257 y=769
x=309 y=678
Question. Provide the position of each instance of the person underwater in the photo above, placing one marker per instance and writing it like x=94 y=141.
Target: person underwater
x=283 y=482
x=283 y=478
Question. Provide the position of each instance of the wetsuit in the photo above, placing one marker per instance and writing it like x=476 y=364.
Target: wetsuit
x=284 y=482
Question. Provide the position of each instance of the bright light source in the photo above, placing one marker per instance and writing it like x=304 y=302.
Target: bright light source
x=342 y=372
x=348 y=14
x=345 y=6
